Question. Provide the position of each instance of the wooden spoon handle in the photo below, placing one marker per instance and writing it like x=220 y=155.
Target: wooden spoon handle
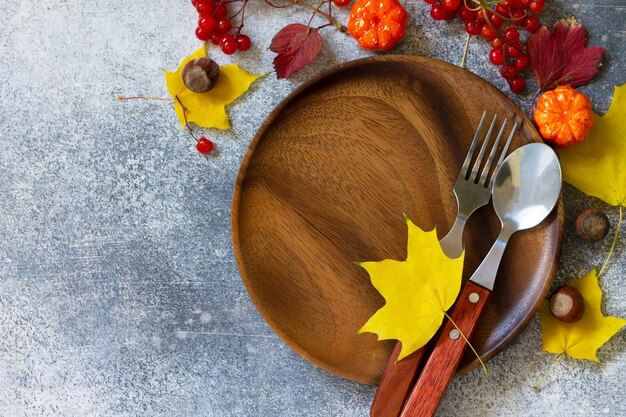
x=395 y=385
x=445 y=357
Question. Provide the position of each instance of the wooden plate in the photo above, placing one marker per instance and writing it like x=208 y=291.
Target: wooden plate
x=326 y=181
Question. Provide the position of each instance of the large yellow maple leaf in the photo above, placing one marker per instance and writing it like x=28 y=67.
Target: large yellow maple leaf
x=417 y=291
x=597 y=166
x=207 y=109
x=582 y=338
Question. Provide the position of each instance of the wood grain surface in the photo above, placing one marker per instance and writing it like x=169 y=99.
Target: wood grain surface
x=325 y=183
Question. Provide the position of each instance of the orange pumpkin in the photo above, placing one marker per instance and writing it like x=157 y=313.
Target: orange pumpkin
x=564 y=116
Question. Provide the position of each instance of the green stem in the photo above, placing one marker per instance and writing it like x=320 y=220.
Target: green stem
x=468 y=342
x=619 y=224
x=465 y=50
x=538 y=384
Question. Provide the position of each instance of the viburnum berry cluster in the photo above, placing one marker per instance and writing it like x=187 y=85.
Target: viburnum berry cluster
x=500 y=23
x=216 y=26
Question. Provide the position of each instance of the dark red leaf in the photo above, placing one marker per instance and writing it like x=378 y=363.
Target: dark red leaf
x=296 y=45
x=560 y=56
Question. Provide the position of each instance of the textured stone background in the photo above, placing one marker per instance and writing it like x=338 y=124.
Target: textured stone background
x=119 y=294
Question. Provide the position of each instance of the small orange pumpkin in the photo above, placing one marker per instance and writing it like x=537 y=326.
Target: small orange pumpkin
x=564 y=116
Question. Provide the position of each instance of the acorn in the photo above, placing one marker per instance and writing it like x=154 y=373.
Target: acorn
x=567 y=304
x=200 y=75
x=592 y=225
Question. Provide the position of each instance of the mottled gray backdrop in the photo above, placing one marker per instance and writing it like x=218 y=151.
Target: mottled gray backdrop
x=119 y=294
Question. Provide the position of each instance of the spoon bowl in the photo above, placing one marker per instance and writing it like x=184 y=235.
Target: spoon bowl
x=527 y=187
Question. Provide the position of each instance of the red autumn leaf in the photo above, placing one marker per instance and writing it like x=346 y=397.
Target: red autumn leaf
x=296 y=45
x=560 y=56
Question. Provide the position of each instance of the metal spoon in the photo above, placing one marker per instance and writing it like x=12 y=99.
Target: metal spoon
x=525 y=189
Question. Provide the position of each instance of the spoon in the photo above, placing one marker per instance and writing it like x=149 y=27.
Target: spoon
x=525 y=189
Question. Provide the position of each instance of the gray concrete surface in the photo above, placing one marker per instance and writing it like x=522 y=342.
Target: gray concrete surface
x=119 y=294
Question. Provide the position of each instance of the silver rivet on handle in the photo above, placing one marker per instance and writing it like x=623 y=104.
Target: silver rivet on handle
x=474 y=297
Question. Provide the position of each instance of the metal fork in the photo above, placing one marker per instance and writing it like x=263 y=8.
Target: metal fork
x=471 y=189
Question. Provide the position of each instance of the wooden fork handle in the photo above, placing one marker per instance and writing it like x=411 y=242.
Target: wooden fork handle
x=395 y=385
x=446 y=355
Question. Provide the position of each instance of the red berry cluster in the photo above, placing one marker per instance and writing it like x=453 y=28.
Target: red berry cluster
x=215 y=25
x=499 y=22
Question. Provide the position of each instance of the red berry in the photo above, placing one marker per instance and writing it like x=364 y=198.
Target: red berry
x=508 y=72
x=472 y=27
x=517 y=85
x=438 y=12
x=518 y=16
x=487 y=33
x=229 y=48
x=451 y=4
x=202 y=35
x=521 y=63
x=220 y=11
x=431 y=1
x=532 y=24
x=512 y=51
x=194 y=3
x=223 y=25
x=496 y=56
x=204 y=146
x=215 y=38
x=511 y=35
x=496 y=20
x=466 y=14
x=480 y=16
x=226 y=38
x=205 y=9
x=503 y=9
x=341 y=3
x=243 y=42
x=536 y=6
x=450 y=14
x=207 y=24
x=497 y=42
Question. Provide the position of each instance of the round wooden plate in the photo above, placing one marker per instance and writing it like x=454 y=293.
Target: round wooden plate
x=325 y=182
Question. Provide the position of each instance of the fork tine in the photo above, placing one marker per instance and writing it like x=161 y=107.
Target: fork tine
x=470 y=152
x=506 y=147
x=485 y=171
x=479 y=158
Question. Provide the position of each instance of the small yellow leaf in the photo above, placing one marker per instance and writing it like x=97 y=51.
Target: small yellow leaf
x=208 y=109
x=417 y=291
x=597 y=166
x=580 y=339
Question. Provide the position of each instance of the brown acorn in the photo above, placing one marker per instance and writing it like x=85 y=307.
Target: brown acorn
x=567 y=304
x=200 y=75
x=592 y=225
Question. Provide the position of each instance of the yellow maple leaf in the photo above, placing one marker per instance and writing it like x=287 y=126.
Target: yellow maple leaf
x=208 y=109
x=417 y=291
x=582 y=338
x=597 y=166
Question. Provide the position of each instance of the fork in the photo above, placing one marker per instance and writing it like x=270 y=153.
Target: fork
x=472 y=191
